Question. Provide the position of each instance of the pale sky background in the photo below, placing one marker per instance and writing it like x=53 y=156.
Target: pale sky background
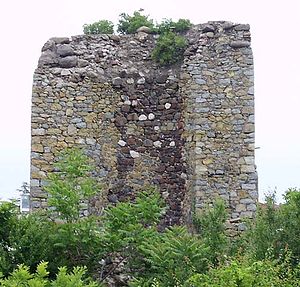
x=26 y=25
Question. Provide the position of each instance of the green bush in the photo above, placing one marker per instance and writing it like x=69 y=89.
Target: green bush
x=210 y=224
x=22 y=277
x=169 y=49
x=168 y=25
x=100 y=27
x=8 y=218
x=247 y=274
x=129 y=24
x=127 y=225
x=30 y=241
x=276 y=229
x=172 y=257
x=71 y=184
x=77 y=243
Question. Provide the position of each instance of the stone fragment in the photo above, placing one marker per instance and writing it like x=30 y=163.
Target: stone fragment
x=125 y=108
x=82 y=63
x=142 y=117
x=251 y=91
x=121 y=143
x=134 y=154
x=60 y=40
x=249 y=160
x=248 y=186
x=130 y=81
x=167 y=106
x=37 y=148
x=90 y=141
x=48 y=58
x=207 y=161
x=172 y=143
x=38 y=132
x=151 y=116
x=247 y=168
x=200 y=169
x=141 y=81
x=239 y=44
x=127 y=102
x=228 y=25
x=157 y=143
x=144 y=29
x=148 y=143
x=120 y=121
x=210 y=34
x=242 y=27
x=208 y=28
x=65 y=72
x=249 y=128
x=49 y=45
x=142 y=36
x=200 y=81
x=68 y=62
x=65 y=50
x=117 y=81
x=251 y=207
x=115 y=38
x=134 y=103
x=72 y=129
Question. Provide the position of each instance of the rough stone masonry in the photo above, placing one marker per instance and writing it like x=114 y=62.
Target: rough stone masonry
x=188 y=129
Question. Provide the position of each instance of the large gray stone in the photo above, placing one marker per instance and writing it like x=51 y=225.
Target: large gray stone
x=239 y=44
x=65 y=50
x=48 y=58
x=68 y=62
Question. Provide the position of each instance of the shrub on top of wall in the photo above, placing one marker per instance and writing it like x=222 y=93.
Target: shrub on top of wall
x=100 y=27
x=167 y=25
x=129 y=24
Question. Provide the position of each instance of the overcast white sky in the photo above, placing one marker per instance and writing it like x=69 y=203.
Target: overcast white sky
x=26 y=25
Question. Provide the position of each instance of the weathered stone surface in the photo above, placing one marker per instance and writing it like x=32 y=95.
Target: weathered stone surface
x=48 y=58
x=144 y=29
x=65 y=50
x=187 y=128
x=68 y=62
x=239 y=44
x=60 y=40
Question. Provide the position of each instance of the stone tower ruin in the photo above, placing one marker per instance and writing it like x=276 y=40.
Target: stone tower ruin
x=188 y=128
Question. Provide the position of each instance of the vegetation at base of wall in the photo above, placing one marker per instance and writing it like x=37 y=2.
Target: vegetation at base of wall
x=70 y=184
x=126 y=242
x=22 y=277
x=100 y=27
x=210 y=223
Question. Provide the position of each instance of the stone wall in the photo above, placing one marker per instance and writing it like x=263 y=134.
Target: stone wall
x=189 y=128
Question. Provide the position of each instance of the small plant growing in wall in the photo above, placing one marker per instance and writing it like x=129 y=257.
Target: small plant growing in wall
x=169 y=49
x=100 y=27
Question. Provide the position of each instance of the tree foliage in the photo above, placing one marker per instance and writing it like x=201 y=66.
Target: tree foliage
x=100 y=27
x=22 y=277
x=128 y=24
x=71 y=184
